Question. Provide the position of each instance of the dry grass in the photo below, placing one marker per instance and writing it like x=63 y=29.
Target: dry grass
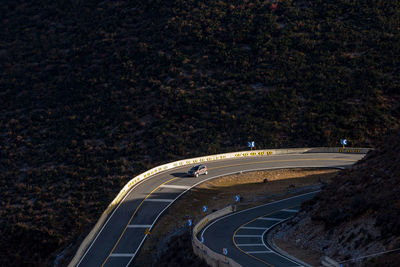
x=255 y=188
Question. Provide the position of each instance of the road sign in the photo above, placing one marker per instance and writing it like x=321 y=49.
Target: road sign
x=251 y=144
x=343 y=141
x=147 y=231
x=202 y=239
x=237 y=198
x=204 y=208
x=225 y=251
x=190 y=222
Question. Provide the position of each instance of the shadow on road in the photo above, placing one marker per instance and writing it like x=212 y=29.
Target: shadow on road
x=179 y=174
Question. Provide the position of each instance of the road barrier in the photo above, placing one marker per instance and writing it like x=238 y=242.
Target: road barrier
x=211 y=257
x=156 y=170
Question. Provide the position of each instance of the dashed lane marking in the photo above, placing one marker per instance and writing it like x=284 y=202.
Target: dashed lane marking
x=121 y=255
x=139 y=226
x=130 y=219
x=289 y=210
x=159 y=200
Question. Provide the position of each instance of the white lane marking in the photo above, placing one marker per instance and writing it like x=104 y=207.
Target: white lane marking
x=182 y=167
x=262 y=239
x=139 y=226
x=255 y=252
x=289 y=210
x=253 y=228
x=159 y=200
x=176 y=186
x=270 y=219
x=109 y=218
x=268 y=204
x=248 y=236
x=250 y=245
x=213 y=177
x=121 y=255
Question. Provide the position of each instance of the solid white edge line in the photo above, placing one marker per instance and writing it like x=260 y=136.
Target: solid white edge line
x=262 y=239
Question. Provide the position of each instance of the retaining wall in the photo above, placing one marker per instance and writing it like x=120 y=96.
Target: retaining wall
x=211 y=257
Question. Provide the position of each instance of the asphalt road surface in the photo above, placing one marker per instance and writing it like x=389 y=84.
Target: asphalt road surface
x=121 y=237
x=244 y=233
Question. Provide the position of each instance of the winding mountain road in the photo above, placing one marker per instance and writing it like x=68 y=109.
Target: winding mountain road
x=122 y=235
x=244 y=233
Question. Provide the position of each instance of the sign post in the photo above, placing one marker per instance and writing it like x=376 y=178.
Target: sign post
x=204 y=208
x=147 y=231
x=251 y=145
x=343 y=142
x=237 y=198
x=225 y=252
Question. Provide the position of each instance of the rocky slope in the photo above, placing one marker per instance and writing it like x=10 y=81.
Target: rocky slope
x=357 y=213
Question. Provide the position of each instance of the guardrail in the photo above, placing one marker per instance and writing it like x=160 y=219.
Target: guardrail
x=211 y=257
x=242 y=154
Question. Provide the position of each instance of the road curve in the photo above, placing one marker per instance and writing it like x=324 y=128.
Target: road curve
x=244 y=233
x=122 y=235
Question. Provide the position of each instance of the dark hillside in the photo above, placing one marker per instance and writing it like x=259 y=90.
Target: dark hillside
x=358 y=213
x=94 y=92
